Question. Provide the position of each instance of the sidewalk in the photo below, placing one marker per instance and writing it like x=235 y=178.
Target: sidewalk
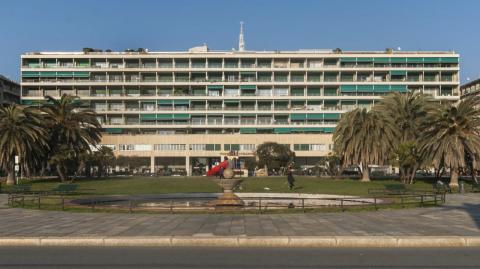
x=458 y=219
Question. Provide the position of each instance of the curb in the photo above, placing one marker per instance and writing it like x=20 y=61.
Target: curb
x=249 y=241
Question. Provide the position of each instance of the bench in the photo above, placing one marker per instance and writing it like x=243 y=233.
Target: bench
x=16 y=189
x=390 y=189
x=65 y=189
x=441 y=188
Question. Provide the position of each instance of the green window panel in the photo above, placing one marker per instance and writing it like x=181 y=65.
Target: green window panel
x=329 y=129
x=301 y=147
x=114 y=130
x=165 y=102
x=215 y=87
x=181 y=116
x=148 y=116
x=381 y=88
x=181 y=102
x=144 y=102
x=81 y=74
x=315 y=102
x=348 y=60
x=331 y=116
x=247 y=73
x=330 y=91
x=297 y=91
x=452 y=60
x=281 y=130
x=364 y=60
x=399 y=88
x=348 y=88
x=133 y=91
x=248 y=87
x=298 y=116
x=365 y=88
x=117 y=91
x=313 y=91
x=313 y=129
x=248 y=115
x=380 y=60
x=398 y=60
x=30 y=74
x=212 y=147
x=64 y=74
x=330 y=102
x=248 y=130
x=431 y=60
x=48 y=74
x=164 y=116
x=315 y=116
x=415 y=60
x=83 y=62
x=398 y=73
x=231 y=101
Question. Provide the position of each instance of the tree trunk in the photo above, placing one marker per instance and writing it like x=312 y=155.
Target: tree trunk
x=11 y=174
x=365 y=174
x=61 y=172
x=453 y=178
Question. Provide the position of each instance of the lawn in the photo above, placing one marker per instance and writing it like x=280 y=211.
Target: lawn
x=155 y=185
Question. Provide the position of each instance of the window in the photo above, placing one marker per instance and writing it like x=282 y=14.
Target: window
x=239 y=147
x=135 y=147
x=169 y=147
x=205 y=147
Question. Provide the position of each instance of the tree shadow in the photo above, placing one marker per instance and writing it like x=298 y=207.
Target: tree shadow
x=472 y=209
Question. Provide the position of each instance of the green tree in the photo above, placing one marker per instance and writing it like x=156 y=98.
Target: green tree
x=73 y=131
x=103 y=159
x=451 y=131
x=364 y=138
x=272 y=155
x=21 y=134
x=407 y=111
x=329 y=164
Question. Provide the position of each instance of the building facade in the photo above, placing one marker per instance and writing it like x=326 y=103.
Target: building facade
x=9 y=91
x=188 y=109
x=470 y=88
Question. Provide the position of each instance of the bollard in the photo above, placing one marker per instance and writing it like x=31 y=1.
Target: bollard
x=461 y=187
x=341 y=204
x=375 y=202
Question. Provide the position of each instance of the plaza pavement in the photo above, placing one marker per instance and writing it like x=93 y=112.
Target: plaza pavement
x=457 y=220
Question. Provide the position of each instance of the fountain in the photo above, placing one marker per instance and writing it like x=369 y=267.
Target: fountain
x=228 y=183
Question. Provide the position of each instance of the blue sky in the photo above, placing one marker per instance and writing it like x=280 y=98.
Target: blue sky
x=53 y=25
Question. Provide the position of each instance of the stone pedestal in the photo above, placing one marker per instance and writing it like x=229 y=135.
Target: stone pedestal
x=228 y=199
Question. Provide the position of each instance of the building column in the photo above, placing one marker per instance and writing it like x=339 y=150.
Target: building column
x=152 y=164
x=187 y=165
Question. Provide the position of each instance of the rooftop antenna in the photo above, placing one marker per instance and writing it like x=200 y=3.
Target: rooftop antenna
x=241 y=42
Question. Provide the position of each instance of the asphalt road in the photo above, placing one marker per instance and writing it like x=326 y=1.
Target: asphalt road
x=141 y=257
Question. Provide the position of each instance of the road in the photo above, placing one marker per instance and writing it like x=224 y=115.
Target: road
x=230 y=258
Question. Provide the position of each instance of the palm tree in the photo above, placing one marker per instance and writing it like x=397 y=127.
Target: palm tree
x=363 y=138
x=72 y=130
x=408 y=112
x=450 y=132
x=21 y=134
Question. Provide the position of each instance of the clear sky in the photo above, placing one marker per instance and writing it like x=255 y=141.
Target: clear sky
x=54 y=25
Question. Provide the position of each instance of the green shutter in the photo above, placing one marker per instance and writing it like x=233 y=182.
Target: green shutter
x=281 y=130
x=215 y=87
x=415 y=60
x=399 y=88
x=398 y=73
x=365 y=88
x=365 y=60
x=298 y=116
x=64 y=74
x=431 y=60
x=48 y=74
x=164 y=102
x=331 y=116
x=315 y=116
x=30 y=74
x=181 y=116
x=248 y=130
x=148 y=116
x=398 y=60
x=81 y=74
x=181 y=102
x=381 y=60
x=348 y=60
x=248 y=87
x=297 y=91
x=330 y=91
x=164 y=116
x=114 y=130
x=313 y=129
x=348 y=88
x=452 y=60
x=231 y=101
x=381 y=88
x=329 y=129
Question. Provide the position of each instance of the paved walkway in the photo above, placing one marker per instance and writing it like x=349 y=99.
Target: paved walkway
x=459 y=217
